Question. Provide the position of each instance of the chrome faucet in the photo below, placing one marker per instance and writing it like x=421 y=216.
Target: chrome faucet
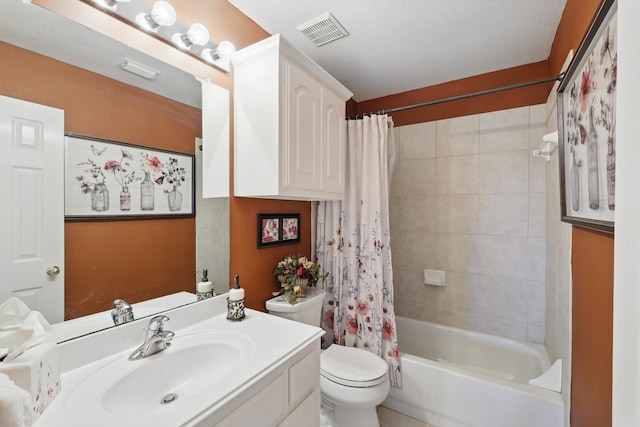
x=156 y=339
x=123 y=312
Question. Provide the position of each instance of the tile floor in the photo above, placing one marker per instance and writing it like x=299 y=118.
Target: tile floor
x=391 y=418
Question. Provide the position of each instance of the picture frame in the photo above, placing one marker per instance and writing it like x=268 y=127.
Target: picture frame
x=278 y=229
x=111 y=180
x=586 y=126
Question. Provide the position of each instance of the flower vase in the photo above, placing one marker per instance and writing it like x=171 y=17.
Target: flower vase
x=100 y=198
x=301 y=282
x=289 y=296
x=175 y=199
x=146 y=193
x=125 y=199
x=292 y=292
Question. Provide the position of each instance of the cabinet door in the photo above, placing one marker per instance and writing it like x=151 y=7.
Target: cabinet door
x=265 y=408
x=301 y=146
x=333 y=145
x=307 y=414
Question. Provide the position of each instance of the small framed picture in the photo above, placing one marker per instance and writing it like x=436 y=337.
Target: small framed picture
x=290 y=228
x=278 y=229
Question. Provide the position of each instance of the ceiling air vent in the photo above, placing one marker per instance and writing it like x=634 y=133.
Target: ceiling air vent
x=323 y=29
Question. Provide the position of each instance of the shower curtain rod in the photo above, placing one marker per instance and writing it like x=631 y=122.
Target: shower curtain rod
x=465 y=96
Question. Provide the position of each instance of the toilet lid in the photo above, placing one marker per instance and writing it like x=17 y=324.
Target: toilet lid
x=352 y=366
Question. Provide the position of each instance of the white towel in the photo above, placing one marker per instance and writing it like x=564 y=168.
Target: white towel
x=15 y=404
x=12 y=313
x=34 y=330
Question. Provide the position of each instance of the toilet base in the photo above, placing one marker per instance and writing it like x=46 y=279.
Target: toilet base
x=335 y=415
x=344 y=417
x=326 y=414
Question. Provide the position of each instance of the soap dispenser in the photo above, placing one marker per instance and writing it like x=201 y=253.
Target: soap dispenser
x=235 y=301
x=204 y=289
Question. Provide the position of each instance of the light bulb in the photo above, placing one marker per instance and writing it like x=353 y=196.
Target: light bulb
x=110 y=4
x=197 y=34
x=224 y=50
x=162 y=13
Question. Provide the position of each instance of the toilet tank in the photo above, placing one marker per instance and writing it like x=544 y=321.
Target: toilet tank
x=306 y=310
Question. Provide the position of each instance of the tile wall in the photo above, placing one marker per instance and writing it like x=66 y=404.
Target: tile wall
x=558 y=268
x=212 y=234
x=468 y=197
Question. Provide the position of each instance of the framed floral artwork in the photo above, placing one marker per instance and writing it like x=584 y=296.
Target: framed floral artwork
x=114 y=180
x=290 y=228
x=278 y=229
x=587 y=126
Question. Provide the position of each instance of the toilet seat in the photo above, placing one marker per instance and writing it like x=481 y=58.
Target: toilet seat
x=352 y=367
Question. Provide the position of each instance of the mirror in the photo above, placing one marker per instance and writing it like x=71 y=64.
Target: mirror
x=132 y=260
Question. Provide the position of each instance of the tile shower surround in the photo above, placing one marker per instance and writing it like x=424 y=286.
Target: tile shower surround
x=558 y=268
x=468 y=197
x=212 y=234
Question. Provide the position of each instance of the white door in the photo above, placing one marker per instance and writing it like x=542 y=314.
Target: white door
x=32 y=206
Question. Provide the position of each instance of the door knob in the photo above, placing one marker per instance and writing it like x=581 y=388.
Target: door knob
x=53 y=270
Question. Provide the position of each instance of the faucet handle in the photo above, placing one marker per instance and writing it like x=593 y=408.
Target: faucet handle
x=156 y=324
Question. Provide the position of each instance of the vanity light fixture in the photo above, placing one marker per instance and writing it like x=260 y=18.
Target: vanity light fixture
x=158 y=19
x=196 y=35
x=162 y=14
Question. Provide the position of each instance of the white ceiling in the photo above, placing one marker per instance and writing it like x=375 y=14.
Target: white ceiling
x=399 y=45
x=393 y=46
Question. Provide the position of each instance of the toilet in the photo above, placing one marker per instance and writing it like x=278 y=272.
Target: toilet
x=353 y=381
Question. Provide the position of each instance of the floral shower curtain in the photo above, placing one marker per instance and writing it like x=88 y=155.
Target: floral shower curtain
x=353 y=247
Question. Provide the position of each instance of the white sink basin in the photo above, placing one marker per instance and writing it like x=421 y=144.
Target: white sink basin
x=156 y=389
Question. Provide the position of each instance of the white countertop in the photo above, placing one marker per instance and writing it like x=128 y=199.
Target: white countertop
x=273 y=339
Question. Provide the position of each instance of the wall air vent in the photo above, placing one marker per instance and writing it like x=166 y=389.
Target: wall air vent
x=323 y=29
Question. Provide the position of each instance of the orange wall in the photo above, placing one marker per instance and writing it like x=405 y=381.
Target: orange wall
x=481 y=104
x=112 y=259
x=592 y=270
x=255 y=266
x=592 y=332
x=575 y=21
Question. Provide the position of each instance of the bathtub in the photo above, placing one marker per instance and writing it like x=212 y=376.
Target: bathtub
x=457 y=378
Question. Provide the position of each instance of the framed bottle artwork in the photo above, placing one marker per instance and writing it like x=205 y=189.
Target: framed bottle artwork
x=587 y=126
x=108 y=180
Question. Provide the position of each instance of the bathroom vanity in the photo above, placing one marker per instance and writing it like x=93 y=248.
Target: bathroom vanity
x=263 y=370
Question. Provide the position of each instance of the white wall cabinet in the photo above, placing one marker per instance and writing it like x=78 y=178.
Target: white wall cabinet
x=215 y=141
x=290 y=129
